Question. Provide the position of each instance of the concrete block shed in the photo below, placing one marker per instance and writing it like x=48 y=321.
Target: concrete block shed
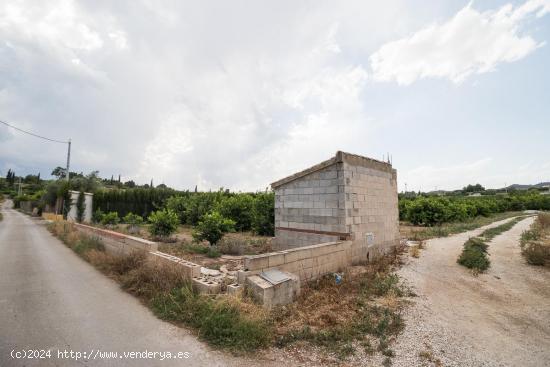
x=347 y=197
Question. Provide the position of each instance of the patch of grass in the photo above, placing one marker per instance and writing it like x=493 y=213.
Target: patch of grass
x=239 y=244
x=86 y=243
x=474 y=255
x=197 y=248
x=364 y=306
x=78 y=242
x=381 y=284
x=213 y=253
x=220 y=323
x=448 y=229
x=491 y=233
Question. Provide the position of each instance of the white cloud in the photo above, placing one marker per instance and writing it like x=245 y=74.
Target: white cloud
x=428 y=178
x=213 y=94
x=472 y=42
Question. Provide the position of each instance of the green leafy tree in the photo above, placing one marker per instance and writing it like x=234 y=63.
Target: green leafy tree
x=179 y=205
x=263 y=217
x=58 y=172
x=163 y=222
x=80 y=206
x=473 y=188
x=212 y=227
x=238 y=208
x=64 y=193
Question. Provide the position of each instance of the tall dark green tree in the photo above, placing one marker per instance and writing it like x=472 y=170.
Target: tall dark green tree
x=80 y=206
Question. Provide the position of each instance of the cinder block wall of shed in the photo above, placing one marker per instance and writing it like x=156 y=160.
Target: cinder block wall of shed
x=314 y=202
x=371 y=207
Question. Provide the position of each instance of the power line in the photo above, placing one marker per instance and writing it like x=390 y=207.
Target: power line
x=33 y=134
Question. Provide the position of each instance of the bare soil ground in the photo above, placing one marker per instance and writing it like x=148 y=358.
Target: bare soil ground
x=499 y=318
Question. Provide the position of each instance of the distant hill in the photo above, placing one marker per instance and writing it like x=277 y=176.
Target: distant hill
x=527 y=187
x=511 y=187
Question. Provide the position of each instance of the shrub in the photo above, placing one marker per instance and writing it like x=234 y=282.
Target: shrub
x=535 y=246
x=163 y=222
x=134 y=222
x=536 y=253
x=212 y=227
x=133 y=219
x=110 y=218
x=263 y=218
x=474 y=255
x=97 y=216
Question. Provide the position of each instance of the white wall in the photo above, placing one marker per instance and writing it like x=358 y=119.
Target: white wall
x=88 y=202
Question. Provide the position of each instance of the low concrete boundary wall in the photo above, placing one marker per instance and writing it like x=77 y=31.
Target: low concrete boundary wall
x=52 y=216
x=117 y=242
x=308 y=262
x=191 y=270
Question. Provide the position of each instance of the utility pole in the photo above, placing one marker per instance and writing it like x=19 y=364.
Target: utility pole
x=68 y=159
x=19 y=191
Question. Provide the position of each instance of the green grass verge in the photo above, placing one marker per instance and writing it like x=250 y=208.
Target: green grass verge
x=448 y=229
x=491 y=233
x=474 y=254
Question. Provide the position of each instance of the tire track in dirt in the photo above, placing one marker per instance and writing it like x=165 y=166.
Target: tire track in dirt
x=499 y=318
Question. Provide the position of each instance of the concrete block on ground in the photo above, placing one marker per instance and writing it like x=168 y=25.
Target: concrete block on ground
x=270 y=295
x=205 y=286
x=234 y=289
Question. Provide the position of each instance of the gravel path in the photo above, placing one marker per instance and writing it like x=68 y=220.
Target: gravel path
x=499 y=318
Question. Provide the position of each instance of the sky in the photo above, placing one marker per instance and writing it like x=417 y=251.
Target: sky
x=238 y=94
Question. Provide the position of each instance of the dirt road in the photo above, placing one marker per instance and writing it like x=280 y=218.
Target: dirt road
x=51 y=299
x=500 y=318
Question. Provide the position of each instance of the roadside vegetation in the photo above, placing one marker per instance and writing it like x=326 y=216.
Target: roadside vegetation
x=360 y=314
x=474 y=254
x=225 y=322
x=535 y=242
